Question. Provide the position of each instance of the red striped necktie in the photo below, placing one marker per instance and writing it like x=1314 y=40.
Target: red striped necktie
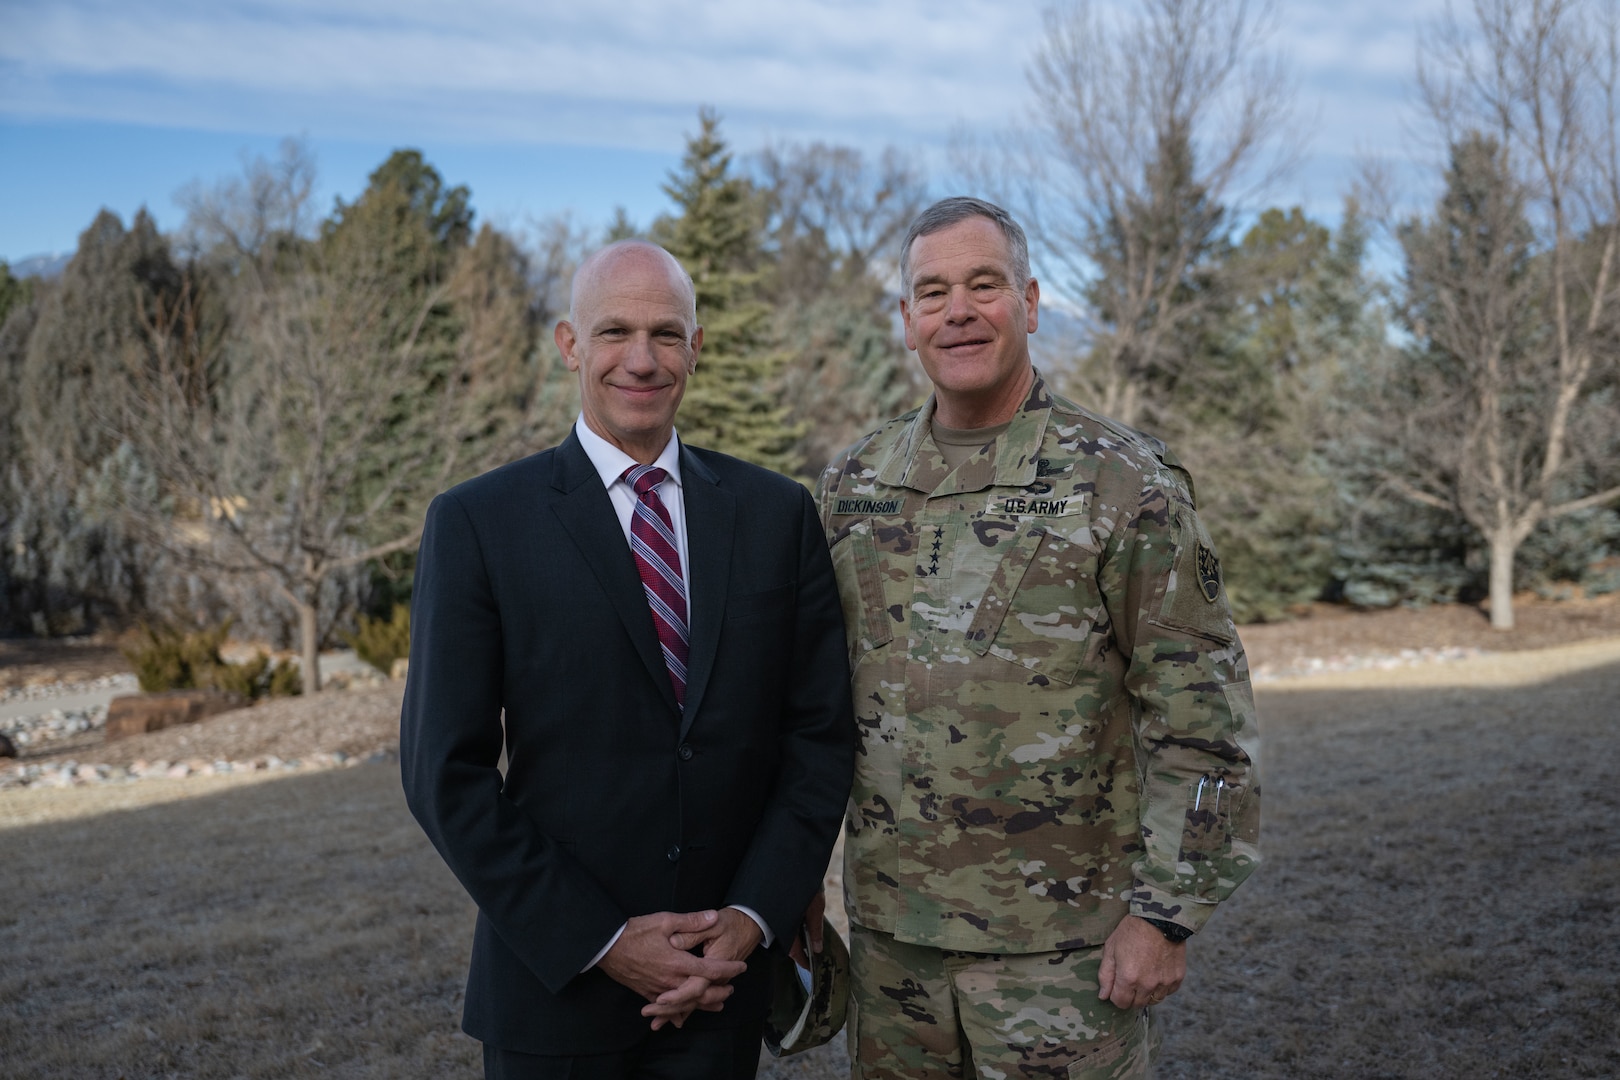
x=652 y=540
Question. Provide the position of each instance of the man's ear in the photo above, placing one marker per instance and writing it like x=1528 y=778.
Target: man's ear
x=905 y=319
x=1032 y=303
x=697 y=347
x=563 y=335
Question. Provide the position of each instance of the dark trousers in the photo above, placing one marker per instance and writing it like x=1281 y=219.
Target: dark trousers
x=669 y=1054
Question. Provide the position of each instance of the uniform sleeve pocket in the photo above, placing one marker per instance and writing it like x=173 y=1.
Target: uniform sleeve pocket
x=1206 y=836
x=1040 y=609
x=867 y=623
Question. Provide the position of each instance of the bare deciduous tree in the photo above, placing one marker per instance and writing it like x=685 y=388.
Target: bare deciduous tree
x=835 y=215
x=305 y=439
x=1150 y=133
x=1510 y=286
x=239 y=216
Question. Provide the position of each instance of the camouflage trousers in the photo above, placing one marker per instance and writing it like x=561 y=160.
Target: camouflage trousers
x=919 y=1013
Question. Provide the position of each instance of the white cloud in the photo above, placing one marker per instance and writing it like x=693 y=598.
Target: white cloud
x=632 y=73
x=905 y=66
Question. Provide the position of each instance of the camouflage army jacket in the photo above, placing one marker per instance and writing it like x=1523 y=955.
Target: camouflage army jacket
x=1057 y=726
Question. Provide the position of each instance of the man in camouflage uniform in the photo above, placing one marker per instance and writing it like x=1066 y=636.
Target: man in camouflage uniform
x=1057 y=779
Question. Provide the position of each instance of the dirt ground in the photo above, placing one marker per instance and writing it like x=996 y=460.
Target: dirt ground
x=1439 y=895
x=1440 y=891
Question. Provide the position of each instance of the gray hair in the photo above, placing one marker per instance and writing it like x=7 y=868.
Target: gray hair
x=958 y=208
x=597 y=260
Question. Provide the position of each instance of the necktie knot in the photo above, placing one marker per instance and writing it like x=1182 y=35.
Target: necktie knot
x=644 y=478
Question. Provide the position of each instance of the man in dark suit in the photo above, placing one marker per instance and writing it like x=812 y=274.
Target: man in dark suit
x=660 y=627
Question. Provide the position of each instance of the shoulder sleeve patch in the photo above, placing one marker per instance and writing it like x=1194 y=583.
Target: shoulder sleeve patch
x=1209 y=573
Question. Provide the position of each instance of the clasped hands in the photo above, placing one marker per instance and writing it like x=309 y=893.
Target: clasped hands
x=653 y=957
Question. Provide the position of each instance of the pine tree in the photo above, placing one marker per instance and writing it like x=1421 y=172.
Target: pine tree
x=14 y=292
x=717 y=236
x=835 y=215
x=1253 y=413
x=85 y=346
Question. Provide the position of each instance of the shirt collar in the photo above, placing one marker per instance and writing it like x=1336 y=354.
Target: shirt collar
x=610 y=462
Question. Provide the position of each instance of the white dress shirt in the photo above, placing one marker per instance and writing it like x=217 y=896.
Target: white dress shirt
x=610 y=463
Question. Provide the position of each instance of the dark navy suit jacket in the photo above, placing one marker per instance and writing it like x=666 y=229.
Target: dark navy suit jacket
x=616 y=803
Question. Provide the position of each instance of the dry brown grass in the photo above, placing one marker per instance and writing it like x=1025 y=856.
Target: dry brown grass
x=1439 y=900
x=300 y=927
x=1442 y=882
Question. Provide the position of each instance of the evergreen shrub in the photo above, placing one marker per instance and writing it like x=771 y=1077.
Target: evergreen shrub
x=379 y=642
x=166 y=658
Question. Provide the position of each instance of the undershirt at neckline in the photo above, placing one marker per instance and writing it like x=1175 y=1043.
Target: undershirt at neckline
x=956 y=445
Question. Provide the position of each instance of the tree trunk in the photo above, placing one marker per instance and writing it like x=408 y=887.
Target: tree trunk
x=308 y=640
x=1503 y=546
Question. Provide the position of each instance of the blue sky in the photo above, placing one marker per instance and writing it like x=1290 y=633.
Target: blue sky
x=544 y=107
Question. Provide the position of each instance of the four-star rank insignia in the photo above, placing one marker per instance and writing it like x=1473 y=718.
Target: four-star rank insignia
x=1209 y=573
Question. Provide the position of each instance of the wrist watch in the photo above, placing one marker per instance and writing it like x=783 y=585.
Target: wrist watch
x=1172 y=932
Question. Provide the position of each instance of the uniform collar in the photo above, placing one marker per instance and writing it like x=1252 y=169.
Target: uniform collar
x=915 y=461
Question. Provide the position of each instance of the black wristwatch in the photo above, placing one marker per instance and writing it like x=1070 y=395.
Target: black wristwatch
x=1172 y=932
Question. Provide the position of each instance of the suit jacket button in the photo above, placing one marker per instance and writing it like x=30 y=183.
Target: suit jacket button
x=685 y=752
x=674 y=852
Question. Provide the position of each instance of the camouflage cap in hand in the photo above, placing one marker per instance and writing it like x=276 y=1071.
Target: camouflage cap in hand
x=807 y=1008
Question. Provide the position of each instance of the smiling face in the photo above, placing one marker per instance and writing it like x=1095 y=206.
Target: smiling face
x=969 y=320
x=633 y=338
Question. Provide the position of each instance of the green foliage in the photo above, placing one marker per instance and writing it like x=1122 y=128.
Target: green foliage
x=1389 y=553
x=1161 y=277
x=285 y=680
x=716 y=236
x=1230 y=349
x=1575 y=548
x=1455 y=428
x=621 y=227
x=379 y=642
x=330 y=379
x=849 y=373
x=1253 y=415
x=833 y=216
x=165 y=658
x=407 y=207
x=258 y=678
x=70 y=357
x=14 y=292
x=358 y=374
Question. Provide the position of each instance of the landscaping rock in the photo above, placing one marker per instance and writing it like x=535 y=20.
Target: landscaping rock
x=7 y=748
x=137 y=714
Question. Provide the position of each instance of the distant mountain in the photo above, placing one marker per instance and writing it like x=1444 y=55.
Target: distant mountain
x=41 y=266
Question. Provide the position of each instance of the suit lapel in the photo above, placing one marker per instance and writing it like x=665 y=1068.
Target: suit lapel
x=711 y=515
x=588 y=516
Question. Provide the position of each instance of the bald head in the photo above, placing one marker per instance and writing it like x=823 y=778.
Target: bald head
x=601 y=266
x=633 y=337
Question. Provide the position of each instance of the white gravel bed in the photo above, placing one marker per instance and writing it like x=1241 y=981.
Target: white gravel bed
x=74 y=774
x=32 y=730
x=119 y=683
x=1322 y=665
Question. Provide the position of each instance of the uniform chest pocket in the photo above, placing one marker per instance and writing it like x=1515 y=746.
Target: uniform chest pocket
x=1043 y=607
x=867 y=624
